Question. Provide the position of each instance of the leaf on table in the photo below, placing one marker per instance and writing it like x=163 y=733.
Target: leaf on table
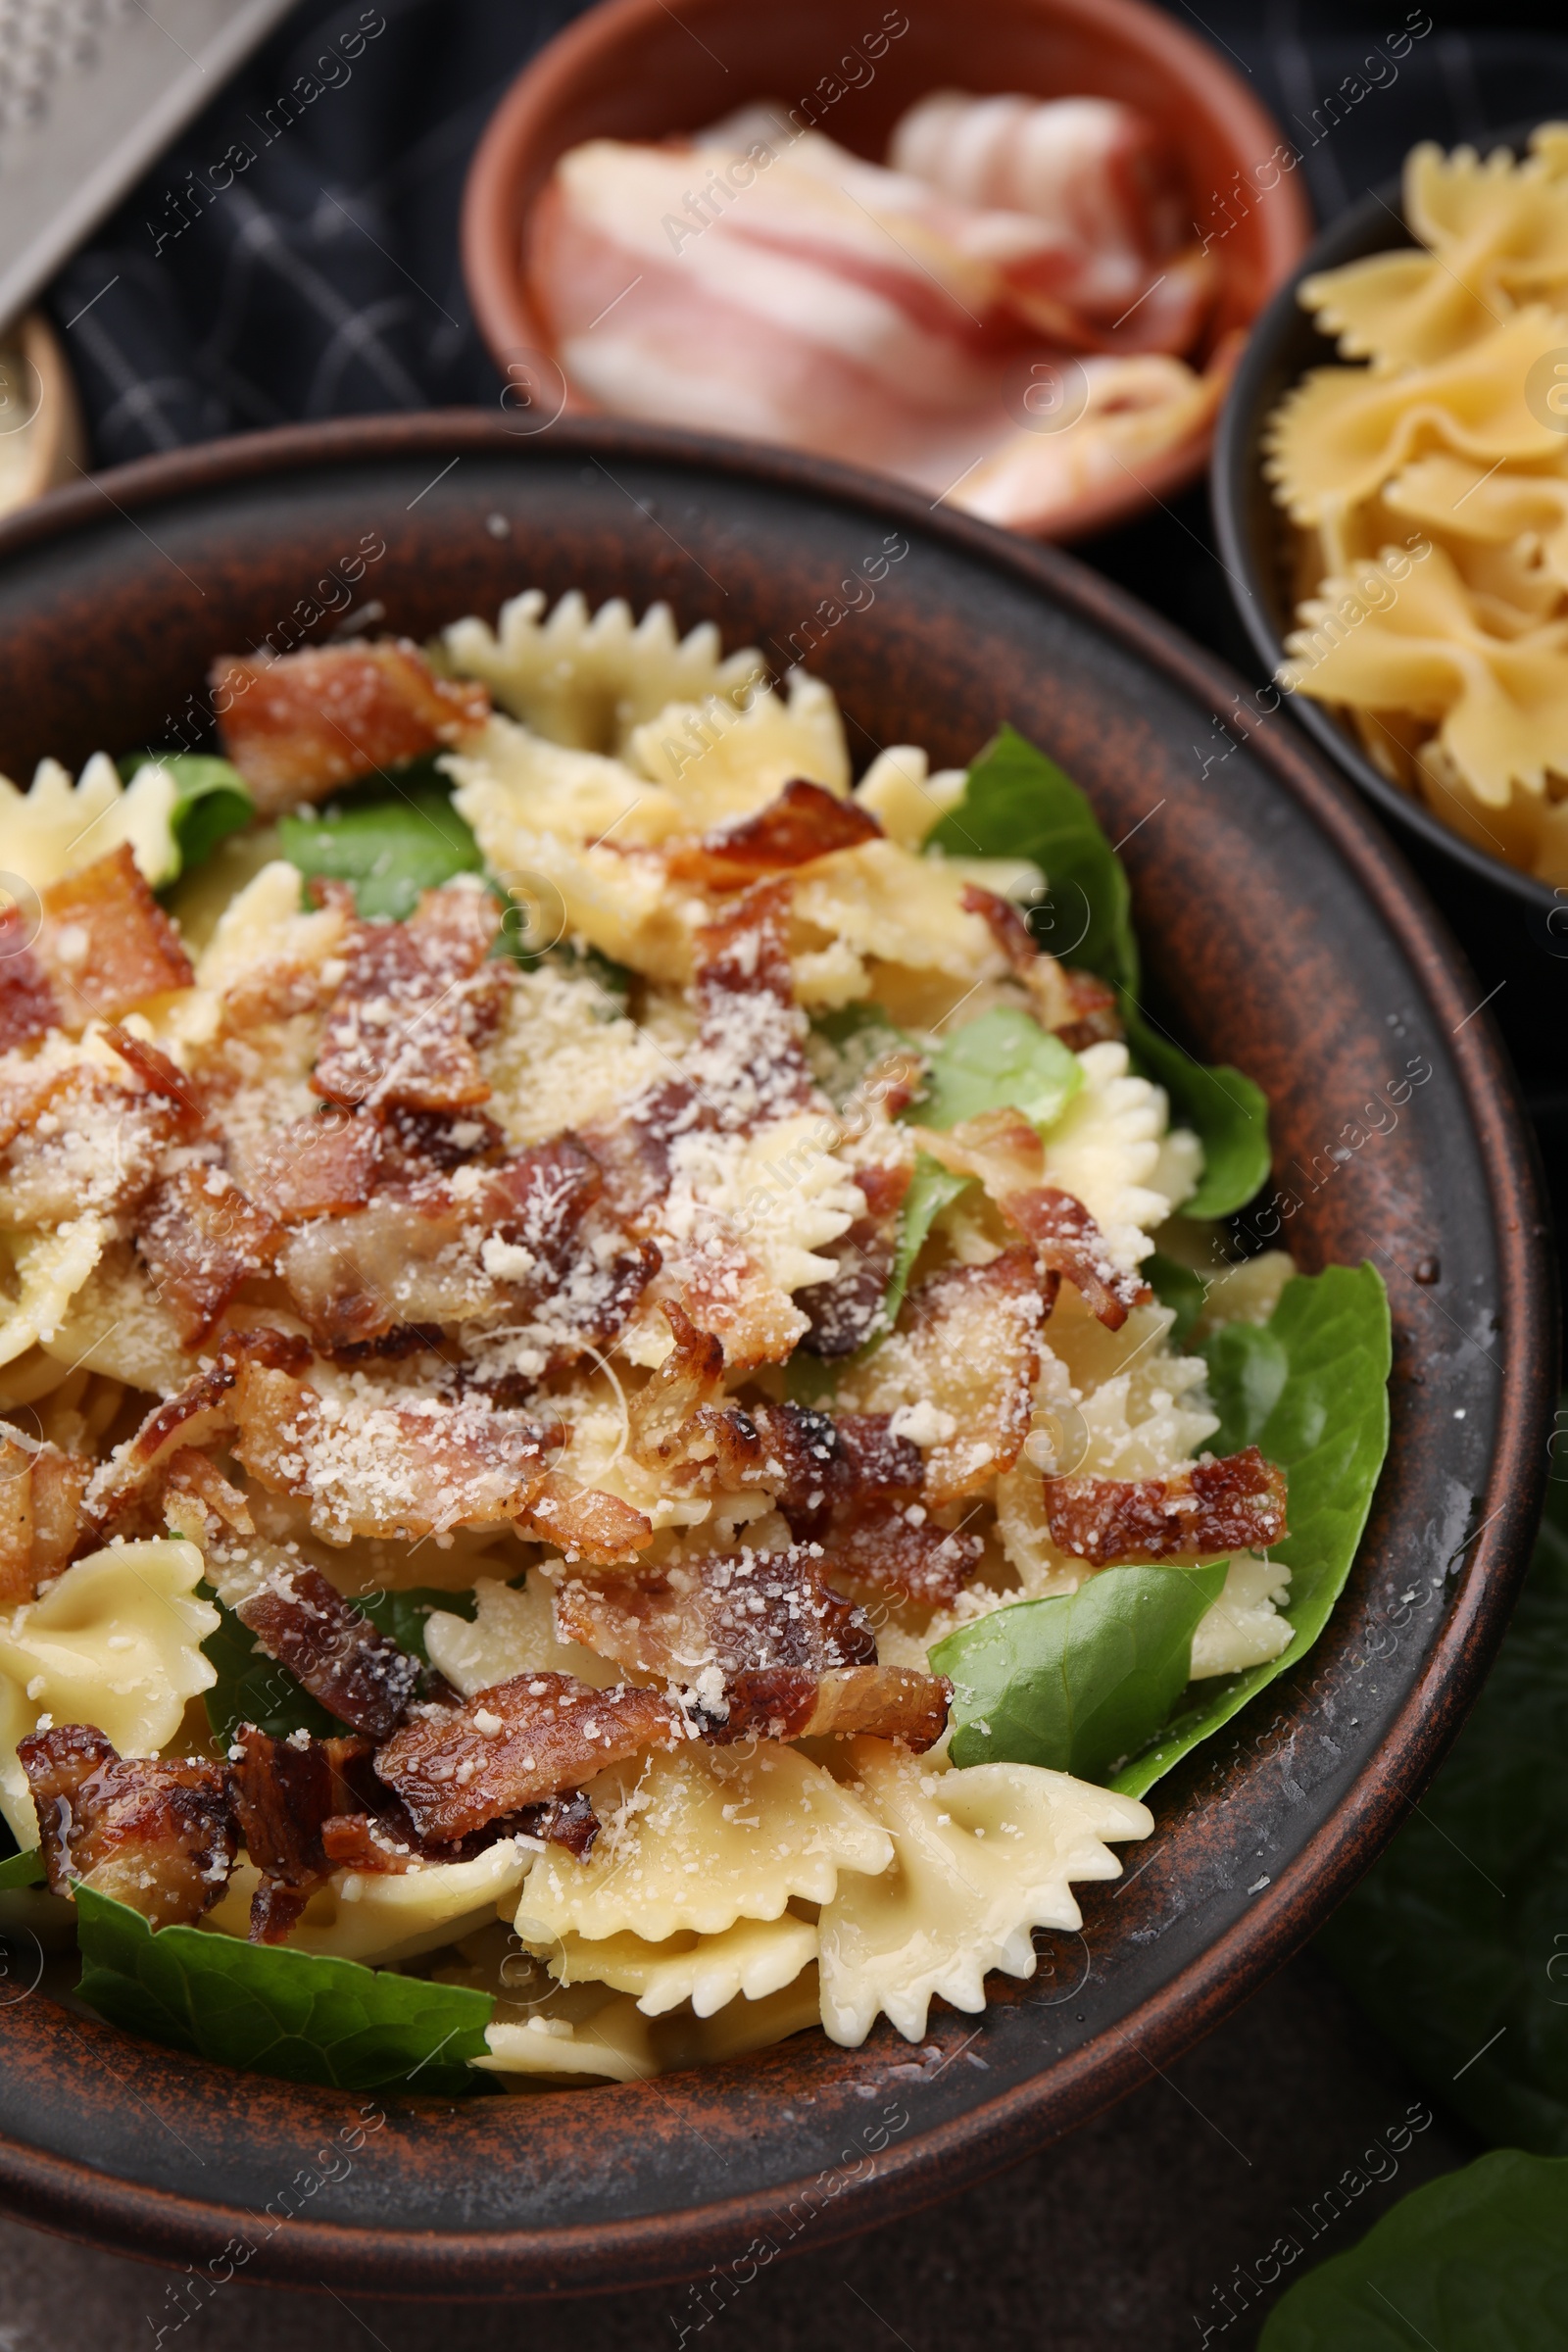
x=277 y=2011
x=1310 y=1388
x=1474 y=2262
x=1458 y=1937
x=1082 y=1681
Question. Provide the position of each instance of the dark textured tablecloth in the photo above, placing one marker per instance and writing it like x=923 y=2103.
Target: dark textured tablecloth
x=325 y=282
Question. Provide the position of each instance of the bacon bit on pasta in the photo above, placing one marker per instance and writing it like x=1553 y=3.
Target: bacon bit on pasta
x=634 y=1149
x=970 y=1336
x=360 y=1676
x=40 y=1515
x=1005 y=1152
x=888 y=1702
x=1235 y=1503
x=159 y=1837
x=199 y=1415
x=517 y=1744
x=674 y=1426
x=106 y=944
x=802 y=824
x=196 y=1493
x=747 y=1063
x=752 y=1612
x=28 y=1006
x=1077 y=1006
x=846 y=1312
x=408 y=1470
x=534 y=1204
x=86 y=1144
x=410 y=1256
x=893 y=1549
x=158 y=1074
x=199 y=1239
x=296 y=726
x=321 y=1167
x=851 y=1487
x=587 y=1523
x=413 y=1003
x=282 y=1792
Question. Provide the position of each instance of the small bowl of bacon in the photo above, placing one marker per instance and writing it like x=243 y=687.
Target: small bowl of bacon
x=990 y=255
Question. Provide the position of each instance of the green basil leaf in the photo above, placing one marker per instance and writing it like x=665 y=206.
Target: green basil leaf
x=932 y=1188
x=391 y=849
x=1081 y=1682
x=277 y=2011
x=1309 y=1388
x=1019 y=804
x=1475 y=2262
x=252 y=1687
x=1456 y=1940
x=1177 y=1286
x=401 y=1616
x=1002 y=1061
x=212 y=799
x=23 y=1870
x=1226 y=1111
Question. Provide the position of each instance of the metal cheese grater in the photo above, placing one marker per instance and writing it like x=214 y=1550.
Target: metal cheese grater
x=90 y=93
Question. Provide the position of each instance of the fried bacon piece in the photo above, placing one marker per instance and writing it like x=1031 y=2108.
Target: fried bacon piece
x=329 y=1645
x=634 y=1149
x=676 y=1426
x=888 y=1702
x=296 y=726
x=515 y=1744
x=408 y=1470
x=80 y=1140
x=408 y=1256
x=105 y=944
x=848 y=1484
x=1235 y=1503
x=747 y=1063
x=750 y=1612
x=321 y=1167
x=200 y=1415
x=28 y=1006
x=199 y=1239
x=413 y=1005
x=157 y=1835
x=534 y=1204
x=388 y=1842
x=894 y=1548
x=1005 y=1152
x=158 y=1073
x=196 y=1493
x=803 y=822
x=846 y=1312
x=41 y=1490
x=968 y=1340
x=1077 y=1006
x=586 y=1522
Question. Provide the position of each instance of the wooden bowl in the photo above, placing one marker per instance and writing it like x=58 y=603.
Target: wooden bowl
x=1282 y=934
x=637 y=70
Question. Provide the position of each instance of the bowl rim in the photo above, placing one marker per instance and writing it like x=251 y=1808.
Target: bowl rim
x=73 y=2197
x=1233 y=472
x=489 y=232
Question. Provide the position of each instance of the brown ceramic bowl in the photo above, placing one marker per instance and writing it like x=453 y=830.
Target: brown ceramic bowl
x=1282 y=934
x=637 y=70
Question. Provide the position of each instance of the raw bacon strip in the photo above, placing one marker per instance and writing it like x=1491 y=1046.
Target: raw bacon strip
x=802 y=823
x=1005 y=1151
x=517 y=1744
x=157 y=1835
x=754 y=1612
x=200 y=1415
x=199 y=1239
x=587 y=1523
x=106 y=944
x=413 y=1005
x=747 y=1063
x=1076 y=1006
x=40 y=1515
x=401 y=1470
x=297 y=726
x=846 y=1312
x=1235 y=1503
x=358 y=1676
x=321 y=1167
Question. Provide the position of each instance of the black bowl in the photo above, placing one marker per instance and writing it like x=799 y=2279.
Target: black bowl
x=1514 y=927
x=1283 y=933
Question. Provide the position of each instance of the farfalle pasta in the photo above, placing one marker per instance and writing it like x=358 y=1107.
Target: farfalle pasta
x=1427 y=487
x=541 y=1309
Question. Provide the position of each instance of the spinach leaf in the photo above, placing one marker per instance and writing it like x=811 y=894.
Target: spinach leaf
x=1476 y=2262
x=210 y=800
x=932 y=1189
x=1458 y=1937
x=1311 y=1387
x=252 y=1687
x=391 y=849
x=401 y=1616
x=1000 y=1061
x=1080 y=1682
x=1177 y=1286
x=278 y=2011
x=23 y=1870
x=1019 y=804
